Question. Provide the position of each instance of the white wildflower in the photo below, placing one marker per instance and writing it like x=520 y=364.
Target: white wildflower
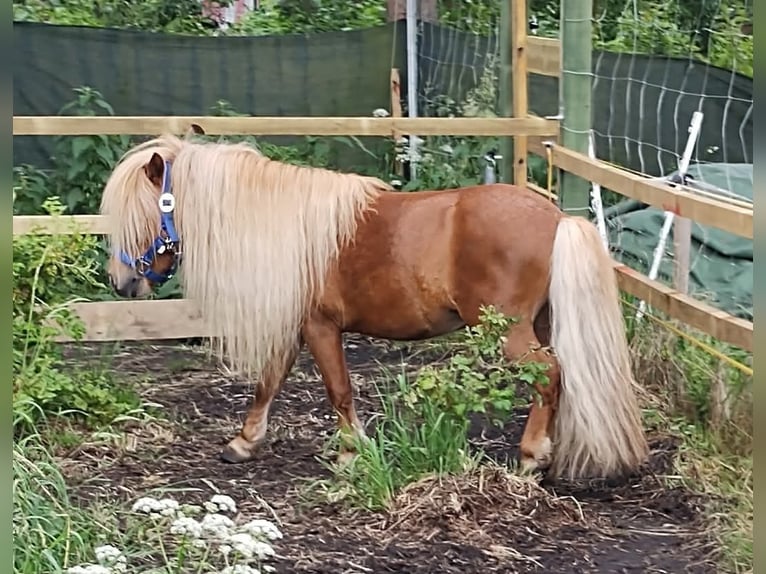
x=224 y=549
x=263 y=550
x=189 y=509
x=446 y=148
x=249 y=547
x=107 y=552
x=408 y=155
x=168 y=506
x=111 y=556
x=149 y=505
x=260 y=528
x=380 y=113
x=217 y=525
x=221 y=503
x=240 y=569
x=89 y=569
x=146 y=504
x=185 y=525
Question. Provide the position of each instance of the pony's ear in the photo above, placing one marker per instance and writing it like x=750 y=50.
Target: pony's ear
x=155 y=169
x=196 y=129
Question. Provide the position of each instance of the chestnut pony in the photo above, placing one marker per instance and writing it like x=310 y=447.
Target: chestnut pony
x=278 y=256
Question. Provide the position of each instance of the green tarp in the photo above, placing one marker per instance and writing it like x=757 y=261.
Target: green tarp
x=721 y=267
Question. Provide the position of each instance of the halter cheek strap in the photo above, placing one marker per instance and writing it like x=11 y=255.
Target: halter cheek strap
x=167 y=240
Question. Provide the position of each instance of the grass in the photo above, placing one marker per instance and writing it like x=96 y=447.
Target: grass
x=405 y=446
x=707 y=403
x=707 y=466
x=50 y=533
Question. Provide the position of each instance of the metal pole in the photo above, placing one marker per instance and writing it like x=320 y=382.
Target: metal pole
x=595 y=198
x=412 y=80
x=505 y=89
x=683 y=167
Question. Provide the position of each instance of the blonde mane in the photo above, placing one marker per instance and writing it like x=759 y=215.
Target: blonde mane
x=257 y=236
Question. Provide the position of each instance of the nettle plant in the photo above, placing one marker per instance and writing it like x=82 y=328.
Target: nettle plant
x=477 y=378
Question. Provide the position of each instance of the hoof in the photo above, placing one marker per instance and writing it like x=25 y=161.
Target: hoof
x=538 y=459
x=530 y=465
x=231 y=456
x=238 y=451
x=345 y=458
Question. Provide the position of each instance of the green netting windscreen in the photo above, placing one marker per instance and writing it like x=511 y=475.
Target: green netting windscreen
x=641 y=104
x=148 y=74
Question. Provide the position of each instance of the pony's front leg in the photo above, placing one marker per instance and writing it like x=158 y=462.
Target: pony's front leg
x=325 y=342
x=244 y=446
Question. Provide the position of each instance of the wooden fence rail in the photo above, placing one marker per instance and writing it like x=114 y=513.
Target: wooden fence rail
x=679 y=199
x=181 y=318
x=173 y=319
x=286 y=126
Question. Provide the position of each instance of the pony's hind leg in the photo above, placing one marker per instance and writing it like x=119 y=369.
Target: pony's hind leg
x=244 y=446
x=325 y=342
x=523 y=346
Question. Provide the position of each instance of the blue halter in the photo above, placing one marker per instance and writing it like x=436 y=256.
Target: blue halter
x=166 y=241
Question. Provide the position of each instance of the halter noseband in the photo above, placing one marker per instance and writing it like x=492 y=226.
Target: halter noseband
x=166 y=241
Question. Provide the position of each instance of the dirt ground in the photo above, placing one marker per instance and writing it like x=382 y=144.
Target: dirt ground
x=485 y=523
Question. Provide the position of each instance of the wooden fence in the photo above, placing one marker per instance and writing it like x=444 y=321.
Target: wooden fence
x=171 y=319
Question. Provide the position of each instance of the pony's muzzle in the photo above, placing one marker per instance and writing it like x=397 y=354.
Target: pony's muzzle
x=129 y=288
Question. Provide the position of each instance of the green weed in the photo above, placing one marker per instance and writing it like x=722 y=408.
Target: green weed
x=46 y=269
x=422 y=428
x=706 y=401
x=50 y=533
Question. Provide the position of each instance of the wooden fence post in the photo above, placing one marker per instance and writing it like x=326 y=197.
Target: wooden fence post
x=575 y=90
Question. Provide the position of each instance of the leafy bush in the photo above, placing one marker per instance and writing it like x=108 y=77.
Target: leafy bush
x=423 y=428
x=707 y=30
x=310 y=16
x=709 y=33
x=82 y=164
x=46 y=270
x=477 y=378
x=174 y=16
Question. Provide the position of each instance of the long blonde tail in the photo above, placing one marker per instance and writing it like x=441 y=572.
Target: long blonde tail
x=598 y=429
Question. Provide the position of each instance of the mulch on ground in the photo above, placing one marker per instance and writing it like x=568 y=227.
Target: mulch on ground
x=487 y=521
